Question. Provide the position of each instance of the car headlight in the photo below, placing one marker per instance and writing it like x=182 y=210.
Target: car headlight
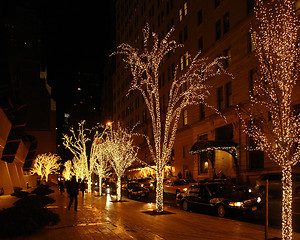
x=236 y=204
x=258 y=199
x=142 y=185
x=184 y=189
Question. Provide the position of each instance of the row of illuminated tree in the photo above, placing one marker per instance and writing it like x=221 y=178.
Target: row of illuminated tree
x=277 y=50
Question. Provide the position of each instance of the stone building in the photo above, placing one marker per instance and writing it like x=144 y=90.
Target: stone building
x=216 y=28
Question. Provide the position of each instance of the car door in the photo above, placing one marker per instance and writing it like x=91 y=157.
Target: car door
x=193 y=195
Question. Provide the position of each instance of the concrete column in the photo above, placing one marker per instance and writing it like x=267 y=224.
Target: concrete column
x=14 y=174
x=5 y=180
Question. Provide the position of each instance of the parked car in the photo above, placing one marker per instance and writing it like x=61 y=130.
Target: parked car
x=221 y=197
x=146 y=183
x=275 y=185
x=135 y=190
x=175 y=186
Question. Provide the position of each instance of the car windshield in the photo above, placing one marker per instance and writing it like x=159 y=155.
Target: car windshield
x=180 y=182
x=220 y=188
x=133 y=185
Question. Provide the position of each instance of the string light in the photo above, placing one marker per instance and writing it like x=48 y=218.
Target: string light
x=101 y=166
x=82 y=164
x=189 y=88
x=120 y=150
x=68 y=170
x=45 y=164
x=270 y=119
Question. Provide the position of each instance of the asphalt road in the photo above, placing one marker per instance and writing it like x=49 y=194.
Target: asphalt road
x=257 y=217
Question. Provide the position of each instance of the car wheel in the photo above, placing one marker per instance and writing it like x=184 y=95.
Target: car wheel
x=221 y=210
x=185 y=206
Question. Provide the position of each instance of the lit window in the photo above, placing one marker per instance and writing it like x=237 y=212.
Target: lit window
x=186 y=58
x=185 y=7
x=185 y=117
x=181 y=63
x=180 y=14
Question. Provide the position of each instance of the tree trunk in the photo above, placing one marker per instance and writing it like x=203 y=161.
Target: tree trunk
x=119 y=189
x=159 y=190
x=100 y=186
x=287 y=194
x=90 y=183
x=46 y=178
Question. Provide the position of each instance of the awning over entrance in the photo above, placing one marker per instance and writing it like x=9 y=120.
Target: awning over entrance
x=205 y=145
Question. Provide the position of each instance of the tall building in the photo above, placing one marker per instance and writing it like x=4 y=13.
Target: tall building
x=216 y=28
x=27 y=108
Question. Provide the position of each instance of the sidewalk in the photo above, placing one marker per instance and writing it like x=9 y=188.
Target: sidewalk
x=101 y=218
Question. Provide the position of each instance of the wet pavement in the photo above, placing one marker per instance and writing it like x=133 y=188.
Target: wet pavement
x=103 y=218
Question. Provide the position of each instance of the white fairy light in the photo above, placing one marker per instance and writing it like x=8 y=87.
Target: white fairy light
x=45 y=164
x=277 y=50
x=76 y=143
x=188 y=89
x=101 y=166
x=68 y=170
x=120 y=150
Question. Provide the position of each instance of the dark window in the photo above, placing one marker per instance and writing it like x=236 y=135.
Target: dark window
x=200 y=44
x=199 y=17
x=224 y=133
x=202 y=111
x=218 y=29
x=226 y=23
x=180 y=37
x=228 y=89
x=185 y=33
x=227 y=54
x=220 y=98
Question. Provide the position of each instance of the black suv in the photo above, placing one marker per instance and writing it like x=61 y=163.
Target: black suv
x=220 y=196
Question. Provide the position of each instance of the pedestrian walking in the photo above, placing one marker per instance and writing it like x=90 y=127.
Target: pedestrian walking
x=82 y=187
x=73 y=193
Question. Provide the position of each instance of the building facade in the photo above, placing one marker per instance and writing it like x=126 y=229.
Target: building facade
x=216 y=28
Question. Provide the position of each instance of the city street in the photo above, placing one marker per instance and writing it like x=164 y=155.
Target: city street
x=102 y=218
x=257 y=217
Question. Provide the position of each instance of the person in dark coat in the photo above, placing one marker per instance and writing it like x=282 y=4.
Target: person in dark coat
x=73 y=192
x=82 y=187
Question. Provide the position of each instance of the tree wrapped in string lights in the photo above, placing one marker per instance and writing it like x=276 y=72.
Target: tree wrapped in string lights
x=68 y=170
x=121 y=151
x=101 y=166
x=76 y=143
x=45 y=164
x=271 y=120
x=189 y=88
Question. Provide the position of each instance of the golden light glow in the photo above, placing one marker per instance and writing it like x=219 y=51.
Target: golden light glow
x=120 y=151
x=144 y=68
x=270 y=120
x=45 y=164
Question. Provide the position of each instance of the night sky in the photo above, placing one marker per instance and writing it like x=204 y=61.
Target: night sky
x=78 y=38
